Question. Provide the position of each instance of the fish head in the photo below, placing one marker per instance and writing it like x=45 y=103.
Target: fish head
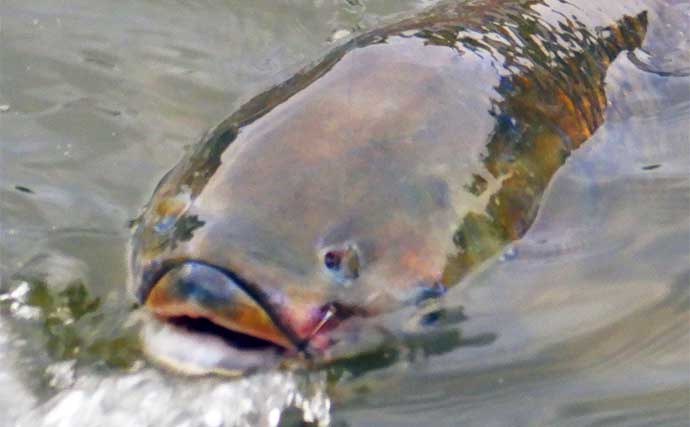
x=283 y=264
x=335 y=206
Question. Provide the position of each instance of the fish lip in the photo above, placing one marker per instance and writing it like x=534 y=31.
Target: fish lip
x=190 y=352
x=158 y=269
x=151 y=275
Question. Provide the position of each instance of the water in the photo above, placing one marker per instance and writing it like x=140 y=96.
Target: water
x=584 y=321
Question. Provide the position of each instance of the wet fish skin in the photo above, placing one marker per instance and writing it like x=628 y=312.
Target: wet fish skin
x=422 y=148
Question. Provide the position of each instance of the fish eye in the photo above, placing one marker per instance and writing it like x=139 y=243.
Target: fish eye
x=344 y=262
x=332 y=260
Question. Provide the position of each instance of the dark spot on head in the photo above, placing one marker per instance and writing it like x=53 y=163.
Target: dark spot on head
x=185 y=227
x=170 y=231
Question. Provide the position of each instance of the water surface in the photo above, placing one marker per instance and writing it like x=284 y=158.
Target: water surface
x=582 y=322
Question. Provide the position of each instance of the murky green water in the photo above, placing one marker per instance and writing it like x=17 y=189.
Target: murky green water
x=582 y=322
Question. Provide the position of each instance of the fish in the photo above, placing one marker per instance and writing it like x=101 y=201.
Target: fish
x=375 y=179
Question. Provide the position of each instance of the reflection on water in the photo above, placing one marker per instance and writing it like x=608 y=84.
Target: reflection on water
x=584 y=321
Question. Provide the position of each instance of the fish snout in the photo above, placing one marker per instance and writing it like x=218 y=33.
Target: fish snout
x=206 y=300
x=194 y=292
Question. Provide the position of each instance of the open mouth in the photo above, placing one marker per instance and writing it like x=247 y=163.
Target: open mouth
x=206 y=319
x=231 y=338
x=199 y=347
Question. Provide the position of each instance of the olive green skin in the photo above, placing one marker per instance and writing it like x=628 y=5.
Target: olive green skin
x=425 y=145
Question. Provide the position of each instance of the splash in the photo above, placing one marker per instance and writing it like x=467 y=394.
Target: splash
x=152 y=398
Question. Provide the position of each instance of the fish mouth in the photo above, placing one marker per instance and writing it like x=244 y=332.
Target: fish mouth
x=205 y=318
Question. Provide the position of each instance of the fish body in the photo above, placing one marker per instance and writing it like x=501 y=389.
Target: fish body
x=375 y=179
